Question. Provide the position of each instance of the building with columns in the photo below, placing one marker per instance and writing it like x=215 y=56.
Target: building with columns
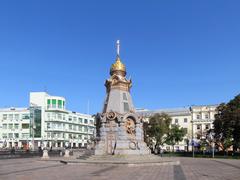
x=196 y=120
x=46 y=122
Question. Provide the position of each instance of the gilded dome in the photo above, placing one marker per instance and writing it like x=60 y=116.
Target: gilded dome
x=118 y=66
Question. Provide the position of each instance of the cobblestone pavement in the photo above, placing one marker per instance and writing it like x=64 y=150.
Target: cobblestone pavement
x=35 y=169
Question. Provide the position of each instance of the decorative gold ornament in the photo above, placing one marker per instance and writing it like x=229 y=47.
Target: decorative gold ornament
x=130 y=126
x=111 y=115
x=118 y=66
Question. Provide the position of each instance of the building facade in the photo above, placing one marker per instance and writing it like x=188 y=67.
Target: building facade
x=196 y=120
x=46 y=122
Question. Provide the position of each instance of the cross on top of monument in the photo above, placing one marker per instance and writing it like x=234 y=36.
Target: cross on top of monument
x=118 y=47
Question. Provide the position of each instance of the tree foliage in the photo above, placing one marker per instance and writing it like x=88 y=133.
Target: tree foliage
x=227 y=124
x=156 y=128
x=175 y=135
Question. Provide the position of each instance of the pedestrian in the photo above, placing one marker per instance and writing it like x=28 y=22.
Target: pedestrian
x=161 y=152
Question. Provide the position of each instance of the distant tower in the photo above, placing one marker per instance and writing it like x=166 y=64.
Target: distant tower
x=118 y=126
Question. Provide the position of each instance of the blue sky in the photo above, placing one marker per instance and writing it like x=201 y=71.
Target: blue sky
x=178 y=53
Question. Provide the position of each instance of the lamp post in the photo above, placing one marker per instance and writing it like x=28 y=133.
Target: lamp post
x=192 y=132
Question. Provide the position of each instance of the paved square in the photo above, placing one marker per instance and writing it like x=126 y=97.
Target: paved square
x=34 y=168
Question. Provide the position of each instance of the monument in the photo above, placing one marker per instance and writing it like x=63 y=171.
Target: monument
x=119 y=129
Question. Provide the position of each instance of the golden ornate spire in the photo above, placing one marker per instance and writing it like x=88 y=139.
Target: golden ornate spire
x=118 y=65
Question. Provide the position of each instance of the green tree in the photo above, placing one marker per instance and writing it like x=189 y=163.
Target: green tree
x=156 y=128
x=222 y=127
x=234 y=116
x=175 y=135
x=227 y=124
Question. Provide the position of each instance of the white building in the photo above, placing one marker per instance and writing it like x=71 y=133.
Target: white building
x=48 y=121
x=196 y=120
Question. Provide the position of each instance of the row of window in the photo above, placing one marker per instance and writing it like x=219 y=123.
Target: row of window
x=61 y=116
x=55 y=103
x=14 y=135
x=206 y=116
x=185 y=120
x=15 y=116
x=55 y=135
x=70 y=127
x=15 y=126
x=200 y=126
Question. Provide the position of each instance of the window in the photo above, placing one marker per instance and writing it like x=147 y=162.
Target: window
x=59 y=125
x=10 y=126
x=53 y=125
x=16 y=135
x=4 y=126
x=10 y=135
x=48 y=126
x=198 y=116
x=4 y=116
x=198 y=136
x=74 y=119
x=85 y=121
x=54 y=115
x=16 y=126
x=206 y=116
x=185 y=120
x=185 y=130
x=60 y=104
x=126 y=107
x=25 y=116
x=25 y=126
x=48 y=103
x=54 y=102
x=199 y=126
x=124 y=96
x=74 y=127
x=25 y=135
x=48 y=116
x=59 y=116
x=10 y=117
x=48 y=135
x=80 y=120
x=176 y=121
x=16 y=117
x=4 y=135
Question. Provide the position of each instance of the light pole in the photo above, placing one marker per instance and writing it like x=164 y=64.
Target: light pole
x=192 y=132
